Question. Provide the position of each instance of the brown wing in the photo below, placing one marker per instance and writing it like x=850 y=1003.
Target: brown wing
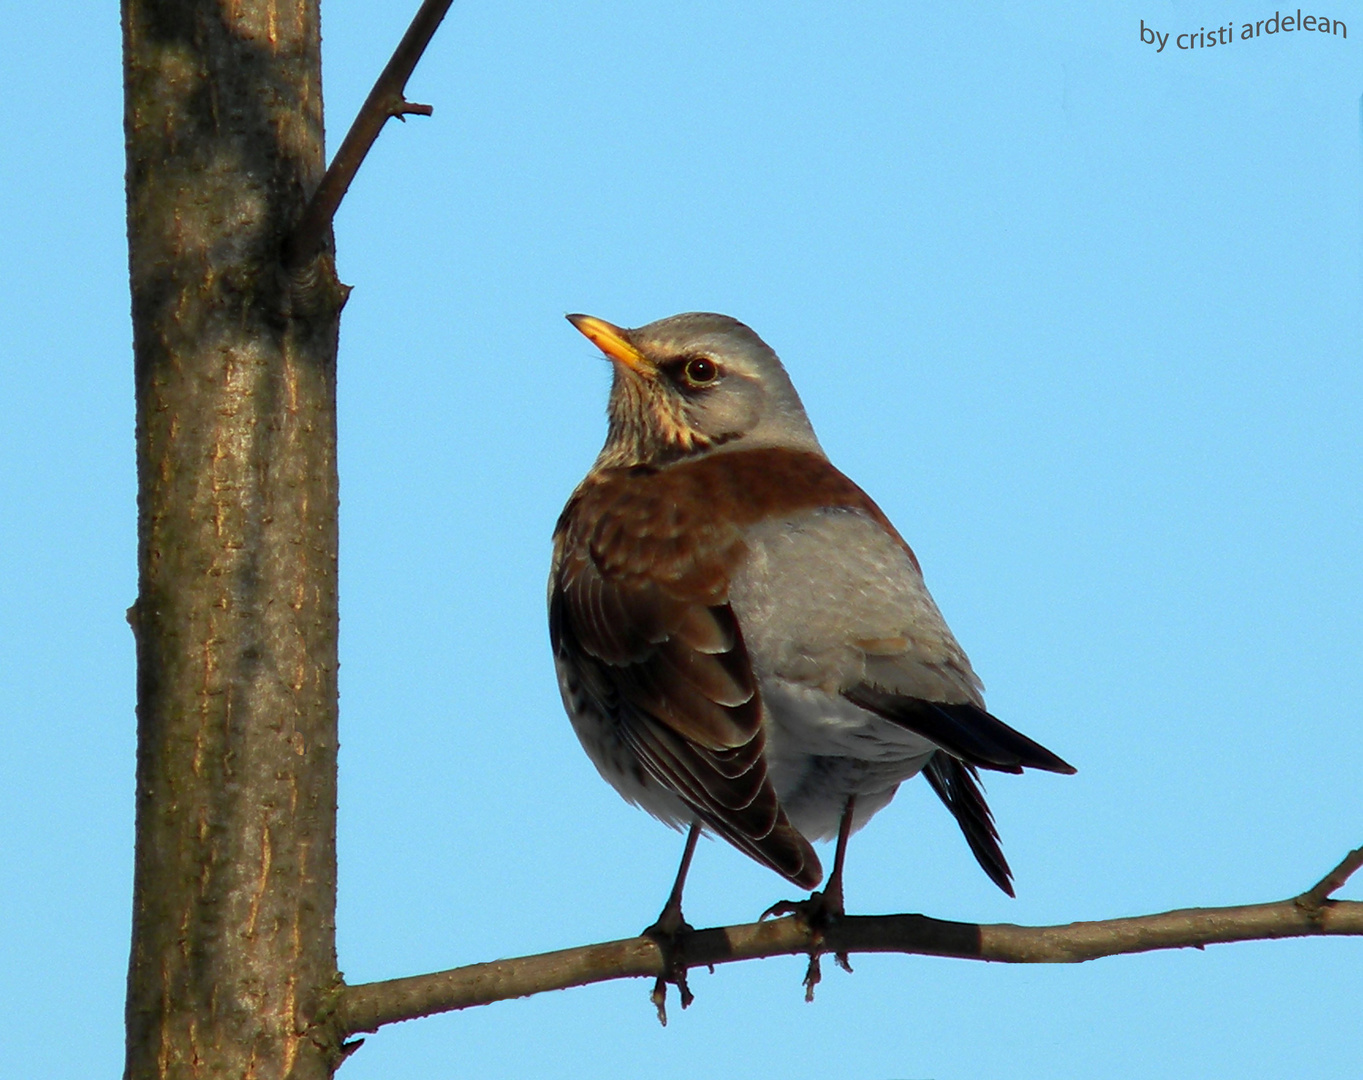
x=638 y=609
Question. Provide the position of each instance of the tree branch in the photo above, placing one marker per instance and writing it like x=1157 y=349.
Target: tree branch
x=385 y=100
x=1313 y=900
x=368 y=1006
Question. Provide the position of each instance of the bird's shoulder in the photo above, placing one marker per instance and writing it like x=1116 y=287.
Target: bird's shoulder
x=683 y=524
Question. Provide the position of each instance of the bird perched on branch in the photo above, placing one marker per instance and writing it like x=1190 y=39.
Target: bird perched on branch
x=744 y=643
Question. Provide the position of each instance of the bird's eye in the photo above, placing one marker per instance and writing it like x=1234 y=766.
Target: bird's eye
x=700 y=371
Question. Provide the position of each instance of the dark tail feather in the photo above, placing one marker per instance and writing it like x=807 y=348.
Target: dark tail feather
x=964 y=730
x=956 y=785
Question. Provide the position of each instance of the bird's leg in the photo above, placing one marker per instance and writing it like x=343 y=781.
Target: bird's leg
x=832 y=890
x=670 y=931
x=824 y=907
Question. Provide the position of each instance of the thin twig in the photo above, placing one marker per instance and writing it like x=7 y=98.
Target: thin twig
x=1314 y=898
x=368 y=1006
x=385 y=100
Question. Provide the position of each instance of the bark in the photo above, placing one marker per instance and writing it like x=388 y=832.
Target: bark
x=233 y=949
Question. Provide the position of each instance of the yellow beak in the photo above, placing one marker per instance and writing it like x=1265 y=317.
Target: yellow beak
x=612 y=341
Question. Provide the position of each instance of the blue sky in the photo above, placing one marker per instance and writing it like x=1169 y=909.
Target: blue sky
x=1082 y=316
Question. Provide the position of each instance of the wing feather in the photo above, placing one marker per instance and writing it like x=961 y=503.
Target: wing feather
x=644 y=620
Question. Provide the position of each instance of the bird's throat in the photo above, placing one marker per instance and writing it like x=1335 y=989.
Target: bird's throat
x=647 y=427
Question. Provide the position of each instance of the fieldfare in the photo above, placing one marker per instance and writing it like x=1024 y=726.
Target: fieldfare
x=744 y=643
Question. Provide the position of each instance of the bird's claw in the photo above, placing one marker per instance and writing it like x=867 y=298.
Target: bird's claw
x=819 y=911
x=782 y=907
x=813 y=975
x=659 y=995
x=669 y=933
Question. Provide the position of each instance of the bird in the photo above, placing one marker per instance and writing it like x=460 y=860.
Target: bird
x=744 y=643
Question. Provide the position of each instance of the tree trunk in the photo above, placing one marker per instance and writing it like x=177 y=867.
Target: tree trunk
x=233 y=947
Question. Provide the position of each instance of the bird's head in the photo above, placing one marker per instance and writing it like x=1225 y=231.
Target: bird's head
x=694 y=384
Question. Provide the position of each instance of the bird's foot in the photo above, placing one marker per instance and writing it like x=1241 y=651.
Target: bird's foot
x=820 y=911
x=670 y=933
x=817 y=911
